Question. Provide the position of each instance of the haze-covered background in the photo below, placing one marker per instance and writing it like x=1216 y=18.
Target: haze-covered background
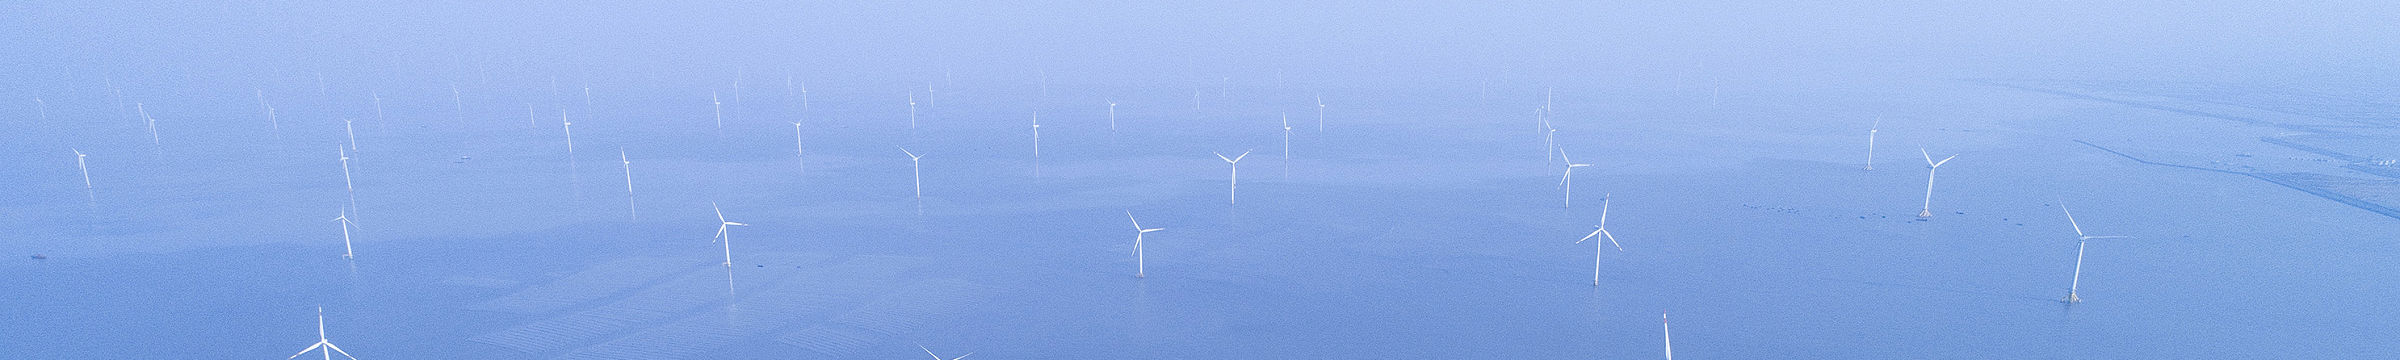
x=2246 y=146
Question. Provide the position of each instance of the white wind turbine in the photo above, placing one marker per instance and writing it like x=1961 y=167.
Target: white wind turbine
x=457 y=105
x=1871 y=143
x=1139 y=269
x=719 y=108
x=351 y=132
x=912 y=109
x=1567 y=180
x=939 y=357
x=344 y=218
x=329 y=349
x=1287 y=137
x=531 y=117
x=570 y=128
x=2080 y=240
x=799 y=145
x=724 y=235
x=1931 y=167
x=915 y=173
x=629 y=211
x=803 y=96
x=1320 y=112
x=378 y=97
x=346 y=187
x=1233 y=181
x=1601 y=232
x=1112 y=115
x=87 y=172
x=262 y=105
x=137 y=107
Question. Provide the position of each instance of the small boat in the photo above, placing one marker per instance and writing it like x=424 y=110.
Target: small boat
x=40 y=257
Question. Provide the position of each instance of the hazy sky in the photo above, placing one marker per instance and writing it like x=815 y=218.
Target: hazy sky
x=1182 y=42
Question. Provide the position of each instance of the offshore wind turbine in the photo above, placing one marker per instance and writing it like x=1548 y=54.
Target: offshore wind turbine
x=1871 y=143
x=722 y=234
x=352 y=133
x=2080 y=240
x=262 y=105
x=1567 y=181
x=1233 y=181
x=629 y=211
x=377 y=96
x=329 y=349
x=457 y=106
x=1931 y=167
x=1287 y=137
x=1601 y=232
x=1112 y=115
x=720 y=111
x=87 y=172
x=1139 y=270
x=346 y=188
x=44 y=108
x=137 y=107
x=799 y=145
x=803 y=96
x=912 y=109
x=570 y=128
x=915 y=173
x=1320 y=111
x=344 y=218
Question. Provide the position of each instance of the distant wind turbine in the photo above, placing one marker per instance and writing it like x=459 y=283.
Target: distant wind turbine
x=87 y=172
x=44 y=108
x=1287 y=137
x=344 y=218
x=1112 y=115
x=1601 y=232
x=1320 y=112
x=1139 y=270
x=2080 y=240
x=377 y=96
x=722 y=234
x=629 y=211
x=346 y=187
x=531 y=117
x=1871 y=143
x=1233 y=181
x=720 y=110
x=912 y=109
x=329 y=349
x=570 y=129
x=272 y=124
x=1931 y=167
x=457 y=105
x=799 y=145
x=137 y=107
x=1567 y=180
x=350 y=132
x=803 y=96
x=916 y=174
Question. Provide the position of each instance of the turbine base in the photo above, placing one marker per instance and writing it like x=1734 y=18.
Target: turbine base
x=2071 y=298
x=1925 y=214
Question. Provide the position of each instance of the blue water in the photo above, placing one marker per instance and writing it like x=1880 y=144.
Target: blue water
x=1418 y=224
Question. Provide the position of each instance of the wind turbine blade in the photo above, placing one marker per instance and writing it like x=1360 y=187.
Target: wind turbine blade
x=1612 y=240
x=911 y=155
x=305 y=352
x=1928 y=156
x=2071 y=219
x=962 y=356
x=1595 y=232
x=720 y=234
x=338 y=350
x=1137 y=224
x=2097 y=237
x=712 y=206
x=1238 y=158
x=929 y=352
x=1944 y=161
x=1221 y=156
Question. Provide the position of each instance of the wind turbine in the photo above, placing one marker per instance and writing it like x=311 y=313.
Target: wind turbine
x=1567 y=180
x=799 y=145
x=719 y=107
x=803 y=96
x=1320 y=112
x=628 y=184
x=1139 y=270
x=457 y=105
x=1287 y=137
x=915 y=172
x=1931 y=167
x=351 y=132
x=87 y=172
x=570 y=128
x=377 y=96
x=137 y=107
x=1601 y=232
x=1871 y=143
x=262 y=105
x=530 y=117
x=344 y=218
x=329 y=349
x=346 y=187
x=2080 y=240
x=1234 y=180
x=724 y=235
x=1112 y=115
x=912 y=109
x=939 y=357
x=1666 y=334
